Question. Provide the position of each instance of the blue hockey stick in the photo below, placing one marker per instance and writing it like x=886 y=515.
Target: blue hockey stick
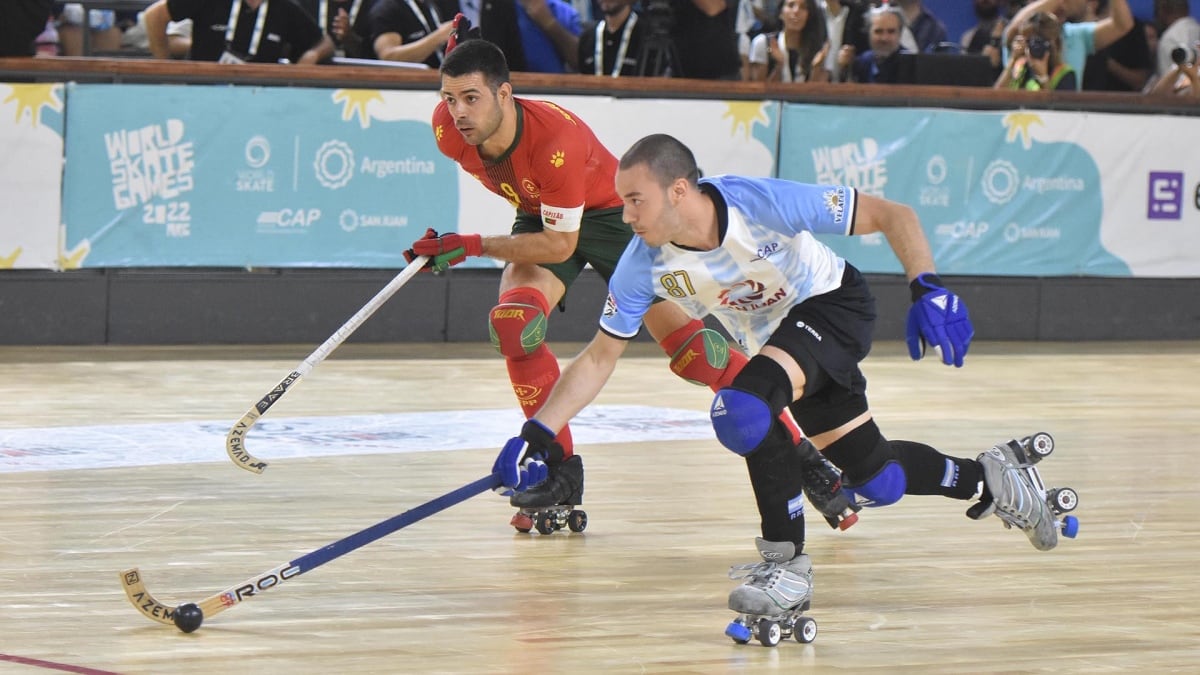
x=190 y=618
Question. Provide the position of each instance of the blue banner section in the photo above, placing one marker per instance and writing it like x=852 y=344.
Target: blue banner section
x=170 y=175
x=994 y=198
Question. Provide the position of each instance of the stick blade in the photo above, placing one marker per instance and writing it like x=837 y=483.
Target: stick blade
x=235 y=444
x=140 y=598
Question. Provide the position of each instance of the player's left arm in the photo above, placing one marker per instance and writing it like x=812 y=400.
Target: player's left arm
x=937 y=316
x=899 y=223
x=545 y=247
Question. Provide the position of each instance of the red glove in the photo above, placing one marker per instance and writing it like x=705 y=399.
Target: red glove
x=446 y=250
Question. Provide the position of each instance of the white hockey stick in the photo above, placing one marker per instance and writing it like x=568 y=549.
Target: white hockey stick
x=235 y=440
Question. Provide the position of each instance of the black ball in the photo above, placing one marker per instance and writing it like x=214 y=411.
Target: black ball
x=188 y=617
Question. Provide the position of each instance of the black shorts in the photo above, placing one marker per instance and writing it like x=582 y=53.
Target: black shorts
x=829 y=335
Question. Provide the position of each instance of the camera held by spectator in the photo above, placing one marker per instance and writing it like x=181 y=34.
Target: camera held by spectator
x=1183 y=55
x=1038 y=47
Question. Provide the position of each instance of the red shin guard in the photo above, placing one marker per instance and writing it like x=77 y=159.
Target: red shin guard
x=532 y=372
x=690 y=349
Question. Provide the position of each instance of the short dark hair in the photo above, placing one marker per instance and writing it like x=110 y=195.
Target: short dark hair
x=667 y=158
x=477 y=56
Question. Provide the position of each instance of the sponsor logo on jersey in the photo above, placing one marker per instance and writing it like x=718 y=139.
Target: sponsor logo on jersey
x=749 y=295
x=558 y=159
x=438 y=132
x=764 y=251
x=610 y=306
x=835 y=203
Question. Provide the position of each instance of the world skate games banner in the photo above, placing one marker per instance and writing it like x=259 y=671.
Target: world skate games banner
x=31 y=134
x=1013 y=193
x=245 y=176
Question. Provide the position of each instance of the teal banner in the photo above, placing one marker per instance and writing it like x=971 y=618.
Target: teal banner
x=170 y=175
x=999 y=193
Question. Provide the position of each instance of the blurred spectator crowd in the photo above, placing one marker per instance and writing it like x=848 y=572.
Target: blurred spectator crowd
x=1033 y=45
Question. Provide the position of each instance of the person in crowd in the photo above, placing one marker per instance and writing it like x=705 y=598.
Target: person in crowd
x=797 y=53
x=240 y=31
x=1037 y=63
x=21 y=22
x=1079 y=38
x=409 y=30
x=879 y=63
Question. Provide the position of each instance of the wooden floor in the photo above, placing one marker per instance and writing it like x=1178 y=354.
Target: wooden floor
x=915 y=587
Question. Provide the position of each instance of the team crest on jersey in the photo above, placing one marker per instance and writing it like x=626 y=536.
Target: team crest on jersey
x=749 y=295
x=531 y=188
x=558 y=159
x=610 y=306
x=835 y=201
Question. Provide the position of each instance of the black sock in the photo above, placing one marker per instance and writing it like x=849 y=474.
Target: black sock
x=929 y=472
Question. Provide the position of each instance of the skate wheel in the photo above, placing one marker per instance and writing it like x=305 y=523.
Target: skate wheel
x=545 y=522
x=1070 y=527
x=739 y=633
x=522 y=522
x=806 y=630
x=769 y=633
x=847 y=522
x=1063 y=500
x=577 y=521
x=1040 y=445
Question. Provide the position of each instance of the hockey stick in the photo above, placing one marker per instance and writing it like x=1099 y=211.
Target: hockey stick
x=235 y=440
x=154 y=610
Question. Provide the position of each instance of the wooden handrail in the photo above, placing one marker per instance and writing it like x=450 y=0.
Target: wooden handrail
x=132 y=70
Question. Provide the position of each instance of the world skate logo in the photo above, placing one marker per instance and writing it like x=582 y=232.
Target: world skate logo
x=1165 y=196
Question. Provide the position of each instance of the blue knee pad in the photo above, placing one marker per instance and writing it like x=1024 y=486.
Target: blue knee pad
x=741 y=420
x=885 y=487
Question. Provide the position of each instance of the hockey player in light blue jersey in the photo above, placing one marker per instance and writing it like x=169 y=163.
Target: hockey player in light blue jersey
x=743 y=250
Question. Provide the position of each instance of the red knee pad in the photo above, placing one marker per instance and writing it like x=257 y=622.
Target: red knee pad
x=517 y=326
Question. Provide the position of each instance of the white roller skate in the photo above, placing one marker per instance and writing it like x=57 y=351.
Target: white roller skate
x=1020 y=498
x=771 y=601
x=550 y=506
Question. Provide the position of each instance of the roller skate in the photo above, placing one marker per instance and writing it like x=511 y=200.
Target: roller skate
x=822 y=484
x=550 y=506
x=771 y=601
x=1020 y=498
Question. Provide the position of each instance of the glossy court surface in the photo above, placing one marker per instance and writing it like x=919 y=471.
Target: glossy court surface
x=114 y=457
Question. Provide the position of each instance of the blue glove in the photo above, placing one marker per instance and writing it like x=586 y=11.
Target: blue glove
x=521 y=463
x=938 y=317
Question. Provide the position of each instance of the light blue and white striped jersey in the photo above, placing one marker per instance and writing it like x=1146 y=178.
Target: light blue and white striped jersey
x=767 y=262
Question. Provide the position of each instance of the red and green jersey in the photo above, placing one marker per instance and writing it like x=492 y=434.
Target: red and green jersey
x=556 y=166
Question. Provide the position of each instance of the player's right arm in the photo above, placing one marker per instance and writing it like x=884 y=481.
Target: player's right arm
x=582 y=380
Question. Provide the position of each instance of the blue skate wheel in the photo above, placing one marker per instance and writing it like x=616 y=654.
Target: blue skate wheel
x=1070 y=527
x=738 y=633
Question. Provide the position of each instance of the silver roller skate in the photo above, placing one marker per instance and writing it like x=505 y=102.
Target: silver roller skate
x=774 y=596
x=550 y=506
x=1020 y=497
